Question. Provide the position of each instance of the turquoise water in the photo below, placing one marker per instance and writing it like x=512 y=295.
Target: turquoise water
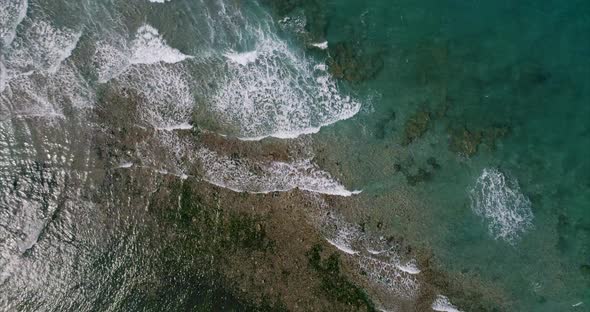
x=518 y=65
x=465 y=124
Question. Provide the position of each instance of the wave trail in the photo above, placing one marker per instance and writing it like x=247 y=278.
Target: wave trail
x=500 y=202
x=266 y=177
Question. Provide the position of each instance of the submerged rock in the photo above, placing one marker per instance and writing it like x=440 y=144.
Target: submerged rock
x=423 y=175
x=416 y=126
x=350 y=62
x=385 y=125
x=433 y=163
x=492 y=134
x=465 y=142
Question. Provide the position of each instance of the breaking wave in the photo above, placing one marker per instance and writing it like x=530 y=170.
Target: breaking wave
x=242 y=175
x=443 y=304
x=252 y=86
x=273 y=91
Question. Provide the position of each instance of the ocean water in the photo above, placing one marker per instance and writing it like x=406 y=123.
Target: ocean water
x=460 y=127
x=515 y=213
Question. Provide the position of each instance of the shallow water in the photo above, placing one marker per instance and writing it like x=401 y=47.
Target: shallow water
x=465 y=126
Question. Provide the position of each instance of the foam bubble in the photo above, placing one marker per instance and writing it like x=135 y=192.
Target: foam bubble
x=443 y=304
x=500 y=202
x=159 y=1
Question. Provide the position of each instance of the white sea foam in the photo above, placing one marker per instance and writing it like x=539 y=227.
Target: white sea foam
x=243 y=58
x=159 y=1
x=46 y=95
x=36 y=83
x=443 y=304
x=182 y=126
x=39 y=51
x=377 y=258
x=409 y=267
x=389 y=276
x=277 y=92
x=41 y=47
x=149 y=47
x=238 y=174
x=114 y=55
x=3 y=76
x=375 y=252
x=256 y=87
x=321 y=67
x=264 y=177
x=111 y=57
x=125 y=165
x=166 y=98
x=12 y=14
x=500 y=202
x=343 y=237
x=321 y=45
x=182 y=176
x=342 y=247
x=295 y=23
